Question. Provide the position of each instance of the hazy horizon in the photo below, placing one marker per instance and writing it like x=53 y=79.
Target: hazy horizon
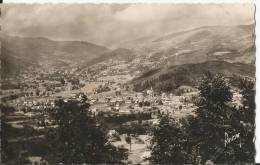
x=111 y=24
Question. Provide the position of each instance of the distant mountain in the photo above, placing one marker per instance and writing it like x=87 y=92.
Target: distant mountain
x=233 y=44
x=119 y=54
x=228 y=43
x=11 y=65
x=171 y=77
x=44 y=52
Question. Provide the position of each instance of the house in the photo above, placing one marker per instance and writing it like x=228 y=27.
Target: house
x=150 y=92
x=124 y=110
x=112 y=133
x=128 y=102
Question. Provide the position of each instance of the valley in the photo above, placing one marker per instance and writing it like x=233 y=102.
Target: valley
x=127 y=88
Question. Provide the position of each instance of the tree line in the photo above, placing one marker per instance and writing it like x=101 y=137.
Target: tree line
x=166 y=82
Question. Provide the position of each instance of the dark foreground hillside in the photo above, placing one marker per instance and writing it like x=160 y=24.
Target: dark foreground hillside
x=172 y=77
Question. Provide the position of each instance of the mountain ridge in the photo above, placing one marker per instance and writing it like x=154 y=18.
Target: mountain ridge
x=233 y=44
x=171 y=77
x=46 y=53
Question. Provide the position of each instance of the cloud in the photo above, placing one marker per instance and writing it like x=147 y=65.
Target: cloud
x=109 y=24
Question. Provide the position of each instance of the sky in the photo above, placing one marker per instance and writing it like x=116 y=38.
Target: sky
x=111 y=24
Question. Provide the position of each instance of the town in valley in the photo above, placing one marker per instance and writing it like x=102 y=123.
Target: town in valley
x=143 y=96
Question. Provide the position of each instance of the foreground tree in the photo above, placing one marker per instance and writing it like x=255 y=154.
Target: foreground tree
x=247 y=91
x=219 y=132
x=244 y=122
x=7 y=152
x=223 y=132
x=78 y=138
x=128 y=141
x=168 y=144
x=213 y=117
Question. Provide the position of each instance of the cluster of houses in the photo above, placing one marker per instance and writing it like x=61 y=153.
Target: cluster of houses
x=237 y=99
x=148 y=101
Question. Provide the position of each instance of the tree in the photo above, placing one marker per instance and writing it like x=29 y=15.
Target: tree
x=201 y=139
x=146 y=103
x=37 y=92
x=140 y=104
x=244 y=121
x=7 y=151
x=247 y=91
x=168 y=144
x=62 y=81
x=78 y=138
x=128 y=141
x=74 y=81
x=212 y=120
x=217 y=118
